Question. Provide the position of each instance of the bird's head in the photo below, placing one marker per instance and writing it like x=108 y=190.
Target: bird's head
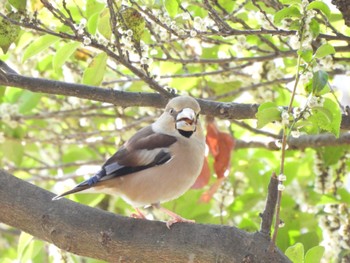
x=185 y=111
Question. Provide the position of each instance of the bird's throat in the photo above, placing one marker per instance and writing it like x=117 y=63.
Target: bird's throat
x=187 y=134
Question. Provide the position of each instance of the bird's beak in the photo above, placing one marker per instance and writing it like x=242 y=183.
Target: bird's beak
x=186 y=120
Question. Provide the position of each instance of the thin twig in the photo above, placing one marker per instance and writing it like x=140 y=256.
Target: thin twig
x=283 y=152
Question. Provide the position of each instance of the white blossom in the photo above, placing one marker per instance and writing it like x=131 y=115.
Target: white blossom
x=193 y=33
x=295 y=133
x=282 y=177
x=278 y=143
x=129 y=32
x=153 y=52
x=296 y=112
x=281 y=187
x=86 y=41
x=186 y=16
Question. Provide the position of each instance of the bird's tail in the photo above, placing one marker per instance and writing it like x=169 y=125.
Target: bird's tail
x=84 y=185
x=76 y=189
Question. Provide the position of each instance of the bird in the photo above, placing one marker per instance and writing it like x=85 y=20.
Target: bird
x=159 y=163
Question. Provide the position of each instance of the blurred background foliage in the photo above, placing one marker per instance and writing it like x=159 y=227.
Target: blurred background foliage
x=241 y=51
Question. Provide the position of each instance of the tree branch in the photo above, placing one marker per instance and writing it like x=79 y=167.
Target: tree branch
x=269 y=211
x=343 y=7
x=303 y=142
x=222 y=110
x=102 y=235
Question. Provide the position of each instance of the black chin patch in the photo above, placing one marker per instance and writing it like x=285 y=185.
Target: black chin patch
x=187 y=134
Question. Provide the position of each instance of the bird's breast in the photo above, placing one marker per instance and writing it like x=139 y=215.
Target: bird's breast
x=164 y=182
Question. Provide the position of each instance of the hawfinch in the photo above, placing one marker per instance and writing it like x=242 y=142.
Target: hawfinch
x=159 y=163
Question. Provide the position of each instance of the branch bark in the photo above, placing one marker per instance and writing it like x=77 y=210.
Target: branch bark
x=343 y=6
x=269 y=211
x=222 y=110
x=102 y=235
x=300 y=143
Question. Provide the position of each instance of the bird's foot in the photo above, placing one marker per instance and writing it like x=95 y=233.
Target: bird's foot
x=175 y=218
x=138 y=214
x=178 y=219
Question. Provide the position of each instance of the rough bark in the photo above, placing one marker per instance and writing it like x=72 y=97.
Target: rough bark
x=102 y=235
x=221 y=110
x=344 y=8
x=300 y=143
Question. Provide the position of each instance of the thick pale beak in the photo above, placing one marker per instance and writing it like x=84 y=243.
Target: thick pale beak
x=186 y=120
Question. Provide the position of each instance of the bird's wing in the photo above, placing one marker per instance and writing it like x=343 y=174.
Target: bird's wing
x=143 y=150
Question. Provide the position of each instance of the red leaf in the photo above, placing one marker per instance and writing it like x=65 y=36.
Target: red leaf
x=223 y=159
x=204 y=176
x=220 y=146
x=212 y=138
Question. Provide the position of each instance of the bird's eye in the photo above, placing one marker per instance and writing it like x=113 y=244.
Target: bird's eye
x=171 y=111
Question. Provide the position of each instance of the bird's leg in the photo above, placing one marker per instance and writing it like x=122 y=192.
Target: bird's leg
x=138 y=214
x=175 y=217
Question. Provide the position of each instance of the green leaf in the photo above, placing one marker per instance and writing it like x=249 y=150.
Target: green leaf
x=315 y=28
x=296 y=253
x=328 y=199
x=31 y=252
x=333 y=107
x=28 y=101
x=331 y=155
x=228 y=5
x=172 y=6
x=13 y=151
x=89 y=199
x=23 y=242
x=306 y=55
x=324 y=113
x=133 y=20
x=288 y=2
x=93 y=75
x=63 y=54
x=328 y=117
x=93 y=23
x=267 y=113
x=287 y=12
x=324 y=50
x=314 y=255
x=93 y=7
x=20 y=5
x=245 y=202
x=40 y=44
x=319 y=82
x=75 y=153
x=9 y=32
x=308 y=239
x=2 y=93
x=104 y=26
x=319 y=5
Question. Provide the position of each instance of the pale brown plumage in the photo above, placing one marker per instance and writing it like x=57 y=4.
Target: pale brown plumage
x=159 y=163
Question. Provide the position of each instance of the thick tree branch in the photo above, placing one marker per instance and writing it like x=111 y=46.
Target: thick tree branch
x=127 y=99
x=121 y=98
x=99 y=234
x=343 y=6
